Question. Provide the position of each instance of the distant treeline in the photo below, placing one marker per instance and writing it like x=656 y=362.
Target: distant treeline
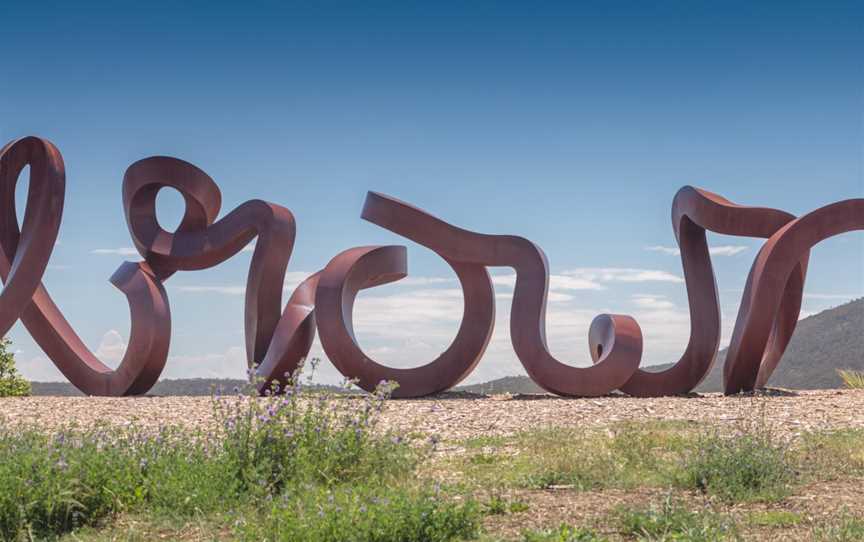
x=822 y=345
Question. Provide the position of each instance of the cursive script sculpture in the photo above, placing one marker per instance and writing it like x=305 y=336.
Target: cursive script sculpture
x=278 y=338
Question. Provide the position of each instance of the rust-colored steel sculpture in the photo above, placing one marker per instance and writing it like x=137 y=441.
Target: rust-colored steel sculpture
x=527 y=320
x=748 y=363
x=24 y=256
x=278 y=338
x=364 y=267
x=693 y=212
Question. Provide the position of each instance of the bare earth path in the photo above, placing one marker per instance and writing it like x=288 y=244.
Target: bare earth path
x=457 y=416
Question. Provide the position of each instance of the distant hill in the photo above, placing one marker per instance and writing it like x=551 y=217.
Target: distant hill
x=822 y=344
x=182 y=386
x=187 y=387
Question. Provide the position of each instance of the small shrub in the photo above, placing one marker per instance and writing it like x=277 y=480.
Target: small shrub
x=672 y=520
x=265 y=449
x=364 y=514
x=564 y=533
x=498 y=505
x=483 y=459
x=852 y=379
x=12 y=384
x=623 y=455
x=300 y=435
x=826 y=455
x=53 y=484
x=775 y=518
x=846 y=529
x=750 y=465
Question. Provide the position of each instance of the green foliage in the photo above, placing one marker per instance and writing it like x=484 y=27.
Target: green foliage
x=775 y=518
x=287 y=449
x=498 y=505
x=623 y=456
x=50 y=485
x=826 y=455
x=750 y=465
x=303 y=436
x=361 y=513
x=563 y=533
x=847 y=528
x=672 y=521
x=12 y=384
x=852 y=379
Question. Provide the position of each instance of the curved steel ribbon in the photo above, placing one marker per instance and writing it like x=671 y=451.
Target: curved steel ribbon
x=364 y=267
x=527 y=321
x=278 y=338
x=693 y=212
x=747 y=365
x=25 y=253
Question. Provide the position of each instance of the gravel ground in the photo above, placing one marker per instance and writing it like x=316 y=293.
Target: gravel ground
x=459 y=416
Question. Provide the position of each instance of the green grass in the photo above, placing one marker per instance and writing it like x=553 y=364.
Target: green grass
x=499 y=506
x=316 y=467
x=358 y=513
x=774 y=518
x=288 y=462
x=832 y=454
x=673 y=521
x=845 y=529
x=852 y=379
x=484 y=441
x=563 y=533
x=749 y=465
x=623 y=456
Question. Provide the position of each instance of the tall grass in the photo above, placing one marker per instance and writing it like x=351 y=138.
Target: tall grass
x=282 y=460
x=751 y=464
x=674 y=521
x=852 y=379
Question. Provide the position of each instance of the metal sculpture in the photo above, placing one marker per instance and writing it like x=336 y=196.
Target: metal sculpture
x=695 y=211
x=278 y=338
x=752 y=354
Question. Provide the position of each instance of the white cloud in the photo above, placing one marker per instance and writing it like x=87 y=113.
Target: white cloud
x=122 y=251
x=670 y=251
x=720 y=250
x=38 y=369
x=653 y=302
x=111 y=348
x=228 y=364
x=727 y=250
x=556 y=282
x=621 y=274
x=292 y=280
x=225 y=290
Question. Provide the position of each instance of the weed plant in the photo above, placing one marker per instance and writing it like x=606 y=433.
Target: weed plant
x=294 y=458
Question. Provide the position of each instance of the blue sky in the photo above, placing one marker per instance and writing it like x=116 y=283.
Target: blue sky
x=570 y=124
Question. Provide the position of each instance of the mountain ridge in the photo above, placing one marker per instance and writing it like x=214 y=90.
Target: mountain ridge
x=834 y=338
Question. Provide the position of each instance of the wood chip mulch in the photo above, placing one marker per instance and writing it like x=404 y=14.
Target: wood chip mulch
x=457 y=416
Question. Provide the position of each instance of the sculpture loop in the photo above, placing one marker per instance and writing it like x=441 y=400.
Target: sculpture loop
x=25 y=253
x=695 y=211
